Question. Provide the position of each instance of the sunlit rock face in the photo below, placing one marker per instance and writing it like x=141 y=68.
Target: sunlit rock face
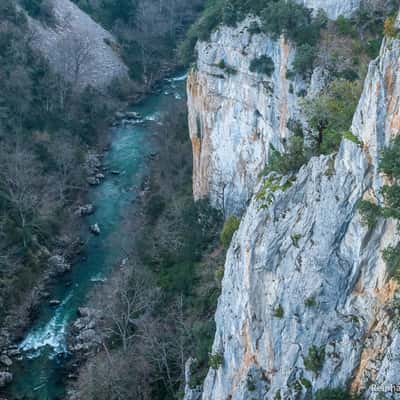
x=77 y=47
x=333 y=8
x=235 y=115
x=304 y=273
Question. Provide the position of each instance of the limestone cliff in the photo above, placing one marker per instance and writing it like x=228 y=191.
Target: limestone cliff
x=333 y=8
x=77 y=47
x=306 y=300
x=235 y=114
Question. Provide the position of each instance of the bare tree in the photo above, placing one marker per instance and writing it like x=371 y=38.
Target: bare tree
x=68 y=174
x=24 y=190
x=125 y=301
x=73 y=54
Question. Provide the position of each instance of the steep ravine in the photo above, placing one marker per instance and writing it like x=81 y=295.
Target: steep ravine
x=40 y=371
x=304 y=273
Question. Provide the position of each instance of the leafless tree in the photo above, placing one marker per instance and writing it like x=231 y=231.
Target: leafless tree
x=24 y=189
x=125 y=301
x=68 y=174
x=73 y=54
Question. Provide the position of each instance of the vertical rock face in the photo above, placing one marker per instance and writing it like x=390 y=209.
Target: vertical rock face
x=235 y=114
x=333 y=8
x=306 y=301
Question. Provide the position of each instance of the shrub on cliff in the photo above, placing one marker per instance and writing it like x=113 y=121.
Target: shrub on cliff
x=289 y=161
x=330 y=114
x=231 y=225
x=334 y=394
x=390 y=28
x=262 y=65
x=304 y=58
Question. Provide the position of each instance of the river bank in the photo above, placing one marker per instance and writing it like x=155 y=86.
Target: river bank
x=45 y=345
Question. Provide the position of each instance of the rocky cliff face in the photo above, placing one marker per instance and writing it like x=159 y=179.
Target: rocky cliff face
x=306 y=303
x=235 y=114
x=77 y=47
x=333 y=8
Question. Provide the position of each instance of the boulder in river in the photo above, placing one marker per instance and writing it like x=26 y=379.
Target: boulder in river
x=93 y=181
x=87 y=209
x=95 y=229
x=5 y=360
x=5 y=378
x=84 y=334
x=59 y=264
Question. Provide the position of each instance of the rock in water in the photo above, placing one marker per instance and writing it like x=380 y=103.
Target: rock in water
x=93 y=181
x=5 y=360
x=95 y=229
x=5 y=378
x=59 y=264
x=87 y=209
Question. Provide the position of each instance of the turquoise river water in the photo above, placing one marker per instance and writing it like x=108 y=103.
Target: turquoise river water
x=38 y=375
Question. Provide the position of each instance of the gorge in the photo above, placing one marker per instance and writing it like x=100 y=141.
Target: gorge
x=293 y=123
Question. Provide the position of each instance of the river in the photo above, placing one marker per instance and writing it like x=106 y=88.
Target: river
x=39 y=374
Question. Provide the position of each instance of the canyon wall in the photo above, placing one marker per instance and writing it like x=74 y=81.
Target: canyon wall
x=306 y=302
x=235 y=114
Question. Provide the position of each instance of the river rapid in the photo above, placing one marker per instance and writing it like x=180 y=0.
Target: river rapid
x=39 y=373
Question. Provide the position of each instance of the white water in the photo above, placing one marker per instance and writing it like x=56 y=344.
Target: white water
x=52 y=335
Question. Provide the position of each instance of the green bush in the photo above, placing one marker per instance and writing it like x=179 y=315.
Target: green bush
x=390 y=160
x=345 y=26
x=290 y=161
x=310 y=302
x=370 y=213
x=330 y=114
x=348 y=135
x=315 y=359
x=304 y=58
x=231 y=225
x=278 y=312
x=292 y=18
x=262 y=65
x=227 y=68
x=334 y=394
x=215 y=360
x=391 y=256
x=295 y=239
x=390 y=29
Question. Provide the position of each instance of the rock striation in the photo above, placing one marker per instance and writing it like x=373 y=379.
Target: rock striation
x=235 y=115
x=306 y=301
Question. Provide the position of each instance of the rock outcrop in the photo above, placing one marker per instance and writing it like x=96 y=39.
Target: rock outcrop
x=333 y=8
x=235 y=114
x=306 y=301
x=77 y=47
